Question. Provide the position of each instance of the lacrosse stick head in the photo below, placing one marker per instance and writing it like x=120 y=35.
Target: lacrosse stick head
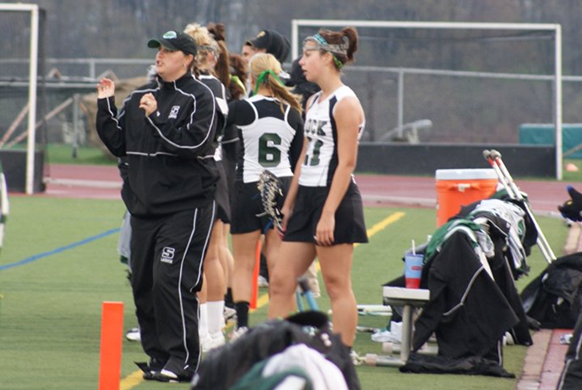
x=270 y=188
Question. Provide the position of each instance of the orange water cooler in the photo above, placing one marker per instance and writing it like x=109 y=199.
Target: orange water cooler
x=459 y=187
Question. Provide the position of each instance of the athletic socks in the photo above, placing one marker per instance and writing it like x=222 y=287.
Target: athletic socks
x=215 y=316
x=242 y=314
x=203 y=321
x=228 y=302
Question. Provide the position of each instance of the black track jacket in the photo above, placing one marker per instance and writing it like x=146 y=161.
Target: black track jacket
x=169 y=153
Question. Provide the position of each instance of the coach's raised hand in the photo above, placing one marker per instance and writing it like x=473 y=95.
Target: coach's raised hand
x=105 y=88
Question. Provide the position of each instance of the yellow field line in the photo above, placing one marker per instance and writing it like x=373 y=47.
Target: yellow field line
x=132 y=380
x=135 y=378
x=384 y=223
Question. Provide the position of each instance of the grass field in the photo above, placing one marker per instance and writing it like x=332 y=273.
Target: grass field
x=59 y=264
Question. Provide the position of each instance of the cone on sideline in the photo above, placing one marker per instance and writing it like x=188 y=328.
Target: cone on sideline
x=111 y=344
x=572 y=167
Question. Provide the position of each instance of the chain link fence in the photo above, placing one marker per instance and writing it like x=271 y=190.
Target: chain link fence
x=416 y=86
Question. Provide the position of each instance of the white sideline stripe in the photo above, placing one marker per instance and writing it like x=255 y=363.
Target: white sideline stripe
x=83 y=183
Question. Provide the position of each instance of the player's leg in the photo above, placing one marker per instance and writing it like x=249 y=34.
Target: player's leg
x=226 y=257
x=294 y=259
x=336 y=264
x=244 y=252
x=272 y=245
x=203 y=310
x=215 y=289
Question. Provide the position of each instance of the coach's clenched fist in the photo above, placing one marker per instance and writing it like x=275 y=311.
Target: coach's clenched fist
x=148 y=103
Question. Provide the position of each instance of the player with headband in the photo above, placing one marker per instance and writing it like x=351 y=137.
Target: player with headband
x=323 y=211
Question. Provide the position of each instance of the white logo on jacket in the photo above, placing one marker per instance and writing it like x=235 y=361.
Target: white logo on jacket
x=168 y=255
x=174 y=112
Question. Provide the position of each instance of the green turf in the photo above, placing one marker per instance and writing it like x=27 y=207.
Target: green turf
x=51 y=308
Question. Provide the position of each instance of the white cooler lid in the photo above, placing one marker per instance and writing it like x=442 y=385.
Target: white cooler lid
x=464 y=174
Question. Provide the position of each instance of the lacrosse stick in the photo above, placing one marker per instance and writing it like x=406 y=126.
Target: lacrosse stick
x=494 y=159
x=269 y=187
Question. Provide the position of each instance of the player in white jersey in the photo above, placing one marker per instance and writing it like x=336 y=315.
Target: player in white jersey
x=213 y=290
x=323 y=212
x=271 y=137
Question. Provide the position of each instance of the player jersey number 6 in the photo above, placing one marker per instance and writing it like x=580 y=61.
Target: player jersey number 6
x=269 y=153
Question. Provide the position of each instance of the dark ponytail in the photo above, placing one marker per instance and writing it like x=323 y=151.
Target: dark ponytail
x=238 y=69
x=352 y=35
x=347 y=36
x=222 y=68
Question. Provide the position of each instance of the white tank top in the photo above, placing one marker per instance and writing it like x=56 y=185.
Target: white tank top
x=266 y=144
x=320 y=129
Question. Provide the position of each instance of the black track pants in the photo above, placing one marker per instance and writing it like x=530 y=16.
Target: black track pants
x=167 y=257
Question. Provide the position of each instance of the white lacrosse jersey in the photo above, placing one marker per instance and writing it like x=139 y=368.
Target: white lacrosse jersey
x=320 y=129
x=271 y=138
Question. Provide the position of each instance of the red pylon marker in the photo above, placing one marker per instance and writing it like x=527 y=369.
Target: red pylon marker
x=111 y=339
x=255 y=290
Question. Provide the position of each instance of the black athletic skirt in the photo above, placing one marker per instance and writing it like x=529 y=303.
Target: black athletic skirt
x=222 y=197
x=247 y=206
x=350 y=226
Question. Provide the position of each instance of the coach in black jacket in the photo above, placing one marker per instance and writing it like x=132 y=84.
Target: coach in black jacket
x=165 y=132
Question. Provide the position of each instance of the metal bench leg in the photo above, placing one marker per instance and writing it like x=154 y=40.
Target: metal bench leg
x=407 y=326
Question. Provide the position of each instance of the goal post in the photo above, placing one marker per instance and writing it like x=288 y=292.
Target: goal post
x=33 y=9
x=554 y=29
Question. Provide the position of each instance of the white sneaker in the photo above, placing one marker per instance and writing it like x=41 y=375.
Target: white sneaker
x=357 y=360
x=167 y=376
x=237 y=333
x=211 y=341
x=229 y=314
x=508 y=339
x=133 y=335
x=262 y=281
x=387 y=336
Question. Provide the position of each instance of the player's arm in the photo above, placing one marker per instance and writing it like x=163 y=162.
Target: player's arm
x=287 y=208
x=296 y=147
x=348 y=116
x=109 y=125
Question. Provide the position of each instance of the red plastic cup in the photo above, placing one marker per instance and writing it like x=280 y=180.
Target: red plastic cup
x=413 y=270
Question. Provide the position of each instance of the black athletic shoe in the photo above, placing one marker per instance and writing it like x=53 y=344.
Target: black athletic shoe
x=151 y=368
